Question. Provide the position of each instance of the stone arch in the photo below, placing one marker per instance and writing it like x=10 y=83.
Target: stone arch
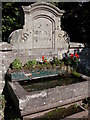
x=45 y=6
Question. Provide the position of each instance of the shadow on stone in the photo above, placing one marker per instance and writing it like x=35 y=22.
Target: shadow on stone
x=10 y=111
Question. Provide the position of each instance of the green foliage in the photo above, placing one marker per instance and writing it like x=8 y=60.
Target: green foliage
x=34 y=62
x=56 y=61
x=72 y=62
x=48 y=65
x=2 y=104
x=30 y=64
x=16 y=64
x=10 y=19
x=75 y=73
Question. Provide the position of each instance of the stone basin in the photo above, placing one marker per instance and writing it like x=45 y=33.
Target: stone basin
x=38 y=101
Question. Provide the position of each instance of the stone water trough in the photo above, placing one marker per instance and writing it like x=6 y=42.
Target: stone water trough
x=32 y=102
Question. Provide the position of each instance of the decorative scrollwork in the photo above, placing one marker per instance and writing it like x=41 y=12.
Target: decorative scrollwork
x=66 y=37
x=25 y=36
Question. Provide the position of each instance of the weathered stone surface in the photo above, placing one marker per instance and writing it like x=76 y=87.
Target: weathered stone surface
x=78 y=45
x=5 y=46
x=49 y=98
x=42 y=30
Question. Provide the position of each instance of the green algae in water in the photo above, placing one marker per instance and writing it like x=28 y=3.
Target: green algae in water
x=50 y=82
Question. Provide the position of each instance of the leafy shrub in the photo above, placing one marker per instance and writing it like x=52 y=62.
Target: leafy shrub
x=72 y=60
x=47 y=65
x=30 y=64
x=56 y=61
x=16 y=64
x=34 y=62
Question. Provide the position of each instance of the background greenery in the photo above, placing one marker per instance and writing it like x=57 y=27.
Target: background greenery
x=75 y=21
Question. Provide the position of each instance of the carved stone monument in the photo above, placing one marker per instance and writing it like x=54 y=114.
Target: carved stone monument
x=41 y=33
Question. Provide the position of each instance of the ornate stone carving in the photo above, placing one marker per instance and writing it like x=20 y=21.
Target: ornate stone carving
x=42 y=29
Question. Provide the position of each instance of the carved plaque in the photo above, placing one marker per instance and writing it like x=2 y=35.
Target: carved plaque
x=42 y=33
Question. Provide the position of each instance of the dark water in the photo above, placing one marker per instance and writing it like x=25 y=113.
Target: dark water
x=51 y=82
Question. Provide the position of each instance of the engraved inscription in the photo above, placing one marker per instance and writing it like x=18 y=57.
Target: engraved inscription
x=25 y=36
x=42 y=33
